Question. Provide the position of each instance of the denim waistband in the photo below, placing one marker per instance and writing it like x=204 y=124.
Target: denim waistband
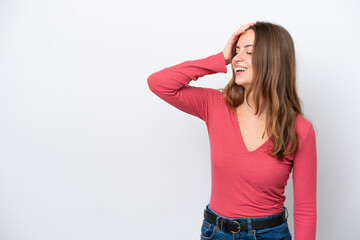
x=247 y=219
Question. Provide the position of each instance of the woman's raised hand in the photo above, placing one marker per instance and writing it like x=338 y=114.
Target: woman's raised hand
x=233 y=39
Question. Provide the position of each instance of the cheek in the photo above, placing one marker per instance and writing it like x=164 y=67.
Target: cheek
x=249 y=63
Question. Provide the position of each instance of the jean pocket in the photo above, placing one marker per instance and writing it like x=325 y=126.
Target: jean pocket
x=279 y=232
x=208 y=230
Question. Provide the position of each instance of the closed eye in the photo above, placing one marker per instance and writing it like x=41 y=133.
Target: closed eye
x=246 y=53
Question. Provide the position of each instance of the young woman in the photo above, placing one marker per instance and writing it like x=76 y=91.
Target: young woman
x=257 y=134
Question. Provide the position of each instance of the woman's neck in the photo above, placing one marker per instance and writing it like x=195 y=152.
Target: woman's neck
x=249 y=111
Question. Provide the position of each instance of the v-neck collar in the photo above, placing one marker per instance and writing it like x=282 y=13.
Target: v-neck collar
x=242 y=142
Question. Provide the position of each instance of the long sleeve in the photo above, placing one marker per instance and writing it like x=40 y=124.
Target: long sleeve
x=305 y=180
x=171 y=84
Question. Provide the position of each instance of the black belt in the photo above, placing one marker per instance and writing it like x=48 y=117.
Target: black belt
x=235 y=226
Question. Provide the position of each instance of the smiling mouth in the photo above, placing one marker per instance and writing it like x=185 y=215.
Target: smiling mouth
x=238 y=72
x=240 y=69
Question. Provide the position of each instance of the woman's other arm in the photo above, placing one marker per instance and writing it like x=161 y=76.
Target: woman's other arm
x=305 y=181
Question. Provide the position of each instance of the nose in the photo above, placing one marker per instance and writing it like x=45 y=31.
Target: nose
x=238 y=57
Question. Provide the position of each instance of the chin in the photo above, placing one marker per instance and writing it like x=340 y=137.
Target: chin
x=240 y=84
x=241 y=81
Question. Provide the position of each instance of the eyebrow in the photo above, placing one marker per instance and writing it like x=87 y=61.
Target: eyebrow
x=249 y=45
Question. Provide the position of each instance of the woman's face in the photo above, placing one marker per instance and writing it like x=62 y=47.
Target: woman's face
x=241 y=62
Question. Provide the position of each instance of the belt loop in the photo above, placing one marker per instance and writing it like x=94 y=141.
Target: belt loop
x=217 y=217
x=249 y=225
x=287 y=214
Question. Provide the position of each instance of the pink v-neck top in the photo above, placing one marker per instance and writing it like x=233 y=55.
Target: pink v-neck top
x=244 y=183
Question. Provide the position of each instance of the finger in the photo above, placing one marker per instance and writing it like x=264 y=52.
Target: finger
x=241 y=30
x=247 y=26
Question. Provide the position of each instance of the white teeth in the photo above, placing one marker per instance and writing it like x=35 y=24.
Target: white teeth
x=241 y=69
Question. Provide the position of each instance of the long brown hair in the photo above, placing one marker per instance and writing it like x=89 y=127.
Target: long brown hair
x=274 y=80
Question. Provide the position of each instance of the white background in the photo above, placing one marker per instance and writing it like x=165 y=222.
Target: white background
x=87 y=151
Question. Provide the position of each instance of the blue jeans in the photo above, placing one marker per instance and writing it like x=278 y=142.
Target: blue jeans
x=213 y=232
